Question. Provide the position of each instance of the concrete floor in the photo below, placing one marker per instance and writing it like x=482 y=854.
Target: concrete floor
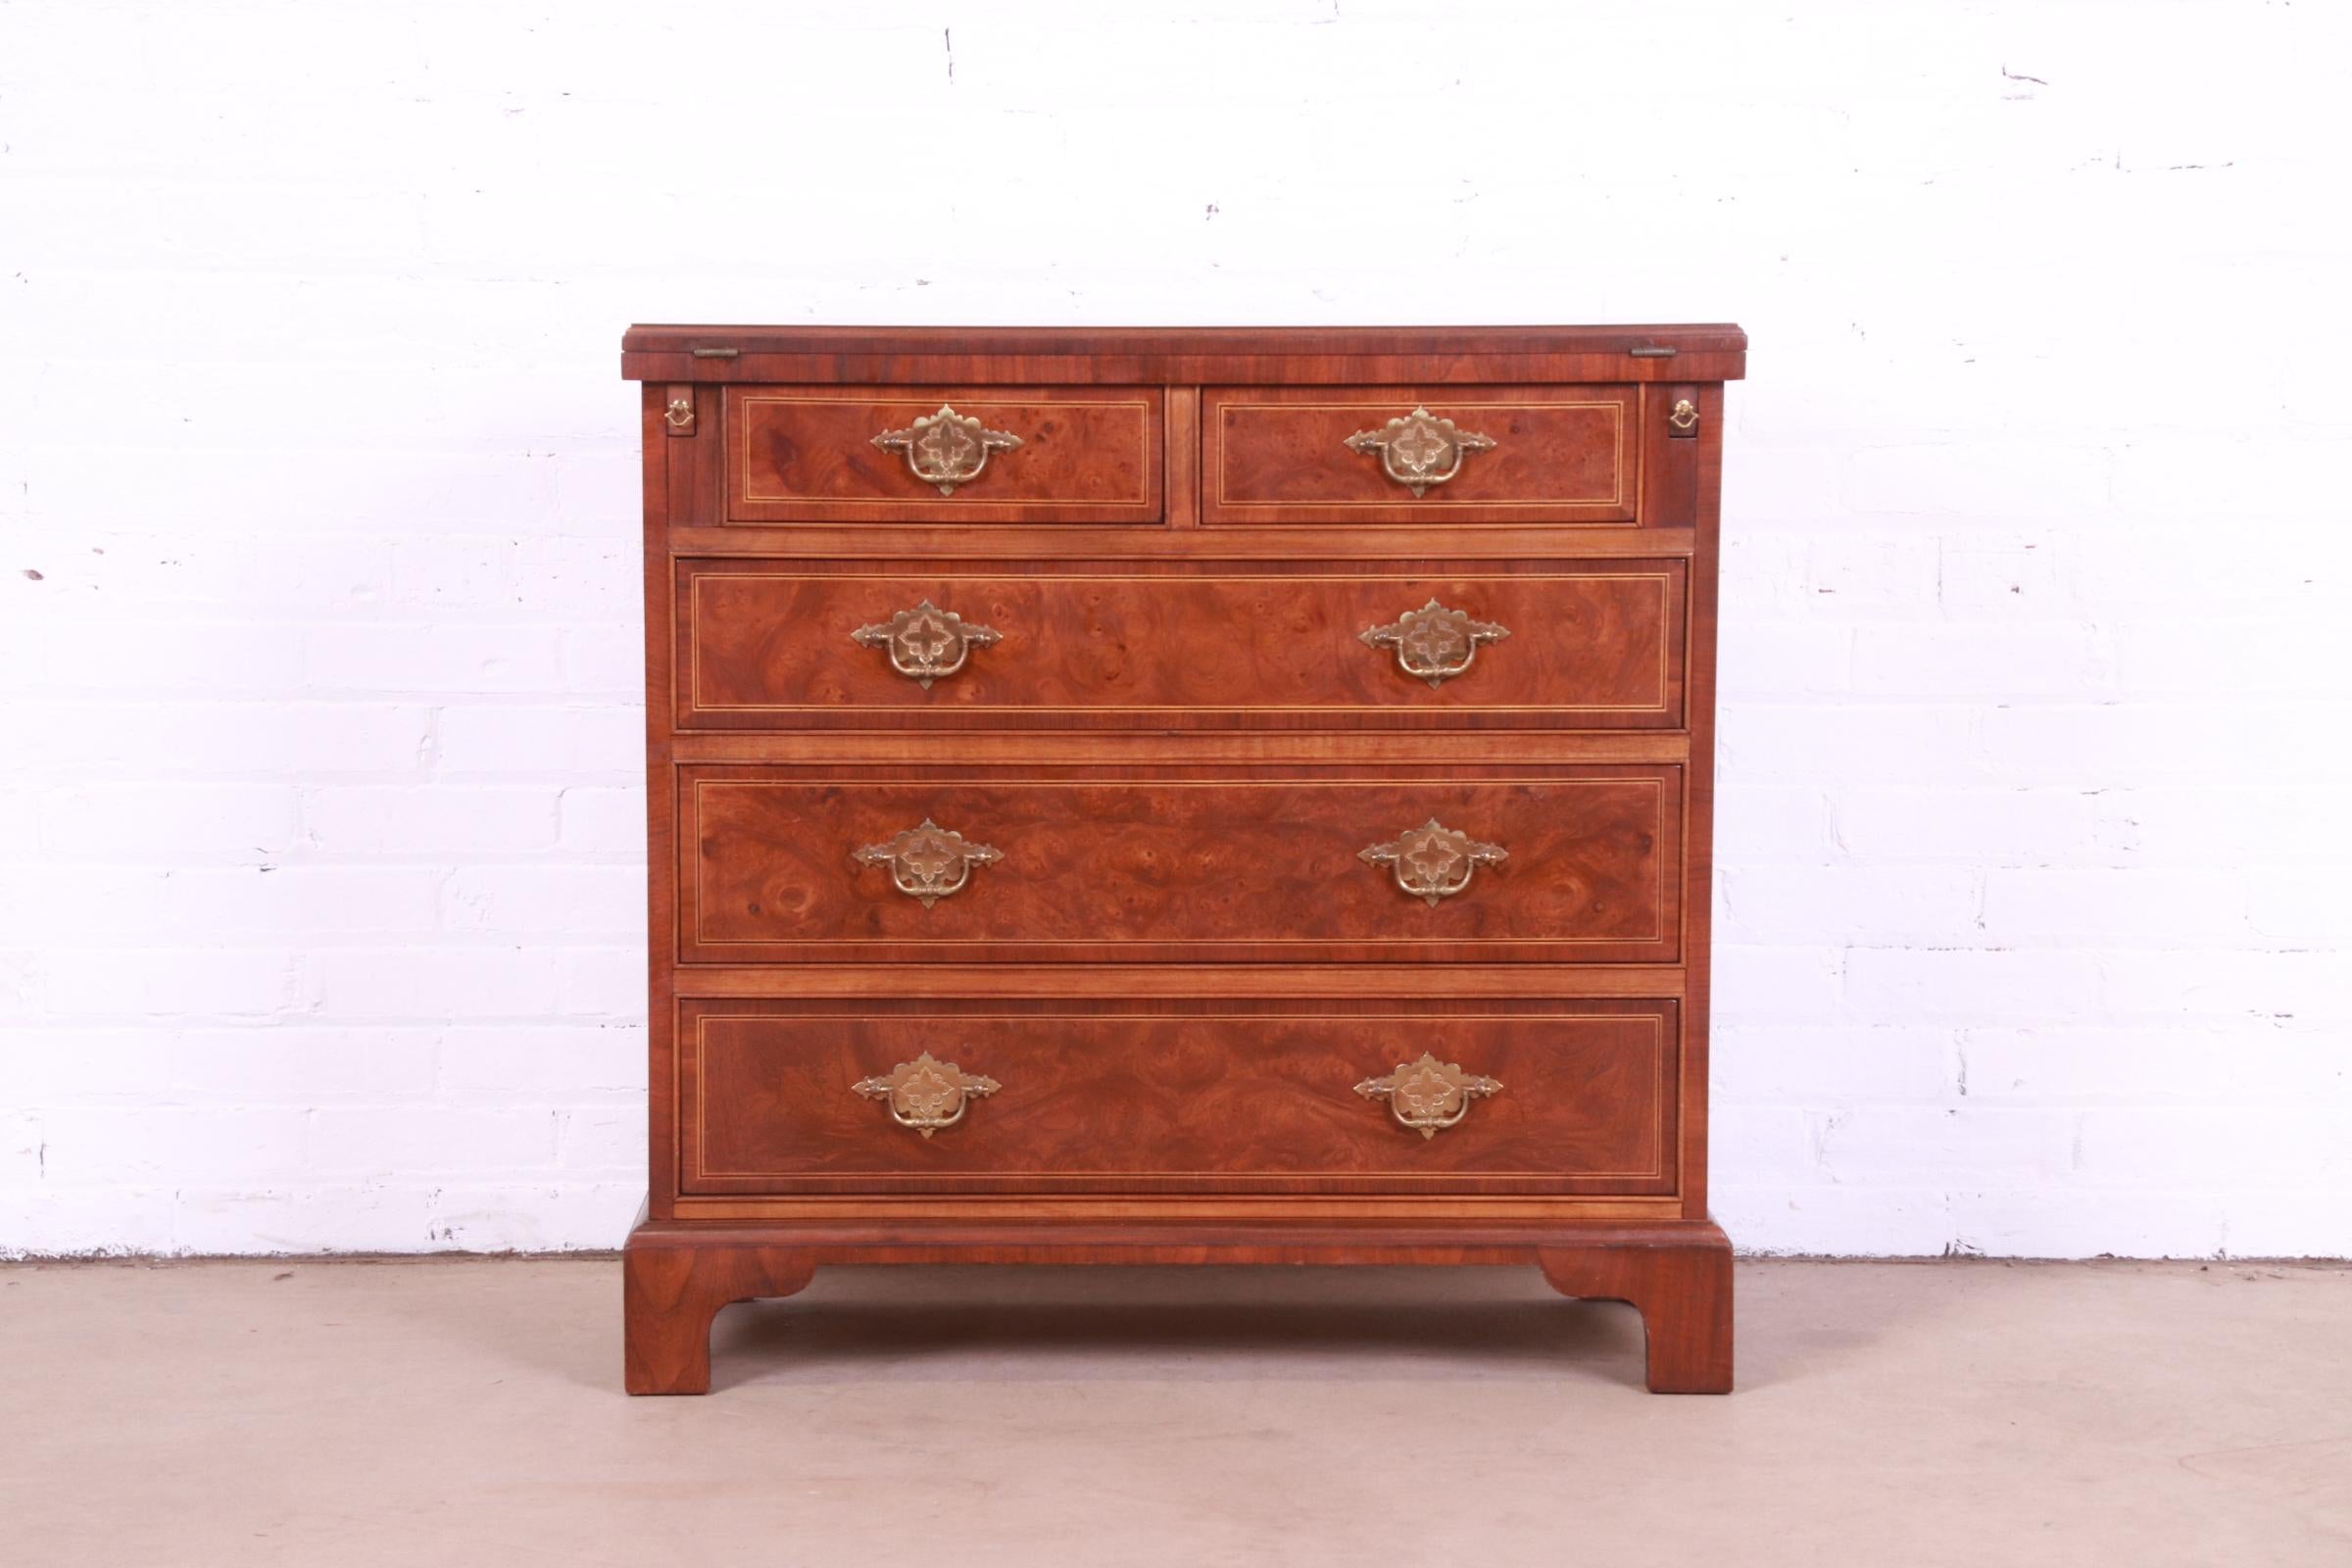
x=343 y=1414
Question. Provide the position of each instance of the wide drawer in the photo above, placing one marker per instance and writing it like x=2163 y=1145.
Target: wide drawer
x=1434 y=456
x=770 y=645
x=1541 y=863
x=830 y=454
x=1546 y=1096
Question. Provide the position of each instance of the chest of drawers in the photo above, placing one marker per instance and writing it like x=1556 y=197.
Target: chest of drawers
x=1179 y=795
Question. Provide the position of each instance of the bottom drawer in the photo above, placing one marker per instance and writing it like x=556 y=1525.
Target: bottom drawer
x=1551 y=1096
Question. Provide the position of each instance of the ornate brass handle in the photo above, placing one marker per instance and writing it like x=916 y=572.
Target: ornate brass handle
x=1428 y=1096
x=1419 y=450
x=1684 y=415
x=928 y=862
x=680 y=413
x=1433 y=862
x=926 y=1094
x=927 y=642
x=1434 y=643
x=946 y=449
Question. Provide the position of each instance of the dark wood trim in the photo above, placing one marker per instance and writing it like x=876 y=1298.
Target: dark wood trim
x=1292 y=343
x=1179 y=980
x=1077 y=355
x=1183 y=497
x=1009 y=747
x=1006 y=541
x=1194 y=368
x=661 y=495
x=1698 y=904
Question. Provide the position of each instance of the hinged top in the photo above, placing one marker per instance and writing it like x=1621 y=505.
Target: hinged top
x=1178 y=353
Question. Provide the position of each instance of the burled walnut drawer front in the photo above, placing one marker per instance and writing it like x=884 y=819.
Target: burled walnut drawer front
x=1399 y=454
x=848 y=455
x=1550 y=1096
x=1555 y=864
x=770 y=645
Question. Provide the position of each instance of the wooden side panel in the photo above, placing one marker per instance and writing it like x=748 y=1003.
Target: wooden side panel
x=1670 y=467
x=806 y=454
x=1707 y=492
x=1189 y=865
x=661 y=495
x=770 y=645
x=1221 y=1096
x=1562 y=455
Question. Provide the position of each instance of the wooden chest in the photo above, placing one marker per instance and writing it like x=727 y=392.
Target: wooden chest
x=1180 y=796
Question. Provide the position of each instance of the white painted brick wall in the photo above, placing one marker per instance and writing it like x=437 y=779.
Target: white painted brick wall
x=320 y=834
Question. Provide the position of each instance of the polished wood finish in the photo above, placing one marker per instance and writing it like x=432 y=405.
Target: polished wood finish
x=1279 y=455
x=1310 y=542
x=1097 y=645
x=807 y=453
x=1180 y=866
x=1196 y=982
x=1249 y=1095
x=1085 y=355
x=675 y=1276
x=1180 y=969
x=1440 y=749
x=1680 y=1282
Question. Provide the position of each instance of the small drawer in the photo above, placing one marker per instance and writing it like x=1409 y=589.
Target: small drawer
x=1344 y=1096
x=1419 y=455
x=847 y=455
x=1550 y=645
x=1543 y=864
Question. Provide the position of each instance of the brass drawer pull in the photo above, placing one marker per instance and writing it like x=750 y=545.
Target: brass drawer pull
x=1432 y=643
x=946 y=449
x=1419 y=450
x=926 y=1094
x=1428 y=1096
x=927 y=642
x=928 y=862
x=1433 y=862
